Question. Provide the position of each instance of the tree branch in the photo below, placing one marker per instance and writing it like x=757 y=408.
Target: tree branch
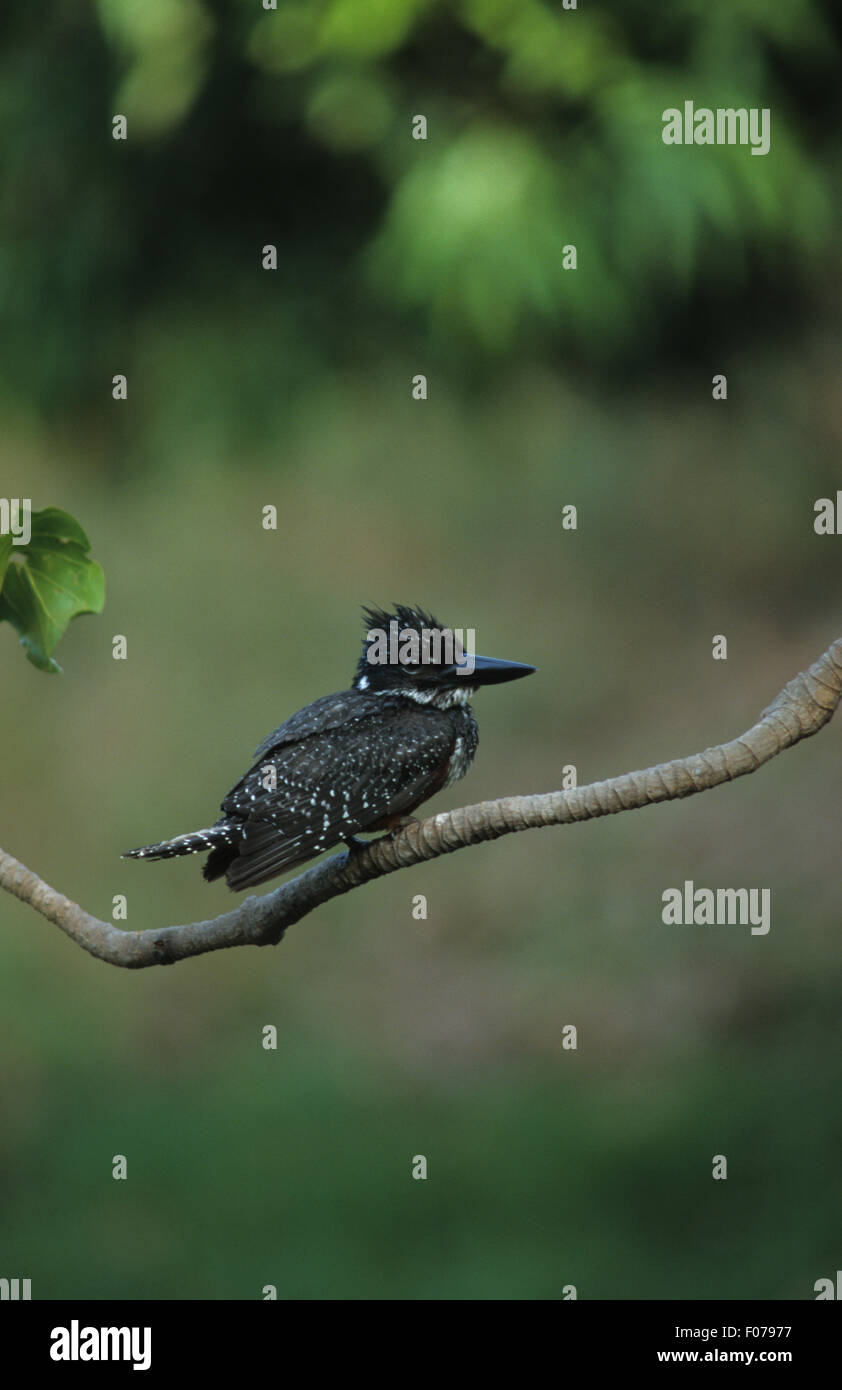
x=802 y=708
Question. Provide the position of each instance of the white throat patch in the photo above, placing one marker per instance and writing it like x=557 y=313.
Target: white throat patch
x=442 y=699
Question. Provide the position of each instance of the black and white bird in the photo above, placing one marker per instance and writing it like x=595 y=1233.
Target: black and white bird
x=357 y=761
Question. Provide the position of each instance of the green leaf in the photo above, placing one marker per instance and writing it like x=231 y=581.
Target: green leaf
x=55 y=581
x=58 y=525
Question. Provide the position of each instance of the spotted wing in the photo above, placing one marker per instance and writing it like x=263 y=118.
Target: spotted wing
x=308 y=795
x=329 y=712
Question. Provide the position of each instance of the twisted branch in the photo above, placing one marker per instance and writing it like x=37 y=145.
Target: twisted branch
x=804 y=705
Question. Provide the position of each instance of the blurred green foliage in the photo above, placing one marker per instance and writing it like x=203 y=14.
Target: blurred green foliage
x=294 y=125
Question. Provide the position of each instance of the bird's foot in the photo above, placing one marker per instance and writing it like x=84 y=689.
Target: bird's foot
x=402 y=824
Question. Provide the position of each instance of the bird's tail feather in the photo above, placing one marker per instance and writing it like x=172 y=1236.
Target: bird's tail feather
x=196 y=842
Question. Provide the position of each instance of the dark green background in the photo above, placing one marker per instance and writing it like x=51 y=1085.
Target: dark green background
x=396 y=1037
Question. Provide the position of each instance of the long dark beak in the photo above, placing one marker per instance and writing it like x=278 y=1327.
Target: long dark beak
x=489 y=671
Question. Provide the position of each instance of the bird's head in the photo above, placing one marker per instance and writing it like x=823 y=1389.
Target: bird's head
x=408 y=652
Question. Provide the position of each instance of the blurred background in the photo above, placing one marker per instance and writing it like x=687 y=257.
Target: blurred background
x=547 y=387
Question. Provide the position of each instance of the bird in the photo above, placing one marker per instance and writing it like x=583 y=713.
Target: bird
x=358 y=761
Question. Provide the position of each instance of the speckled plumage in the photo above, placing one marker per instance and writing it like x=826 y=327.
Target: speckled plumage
x=356 y=761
